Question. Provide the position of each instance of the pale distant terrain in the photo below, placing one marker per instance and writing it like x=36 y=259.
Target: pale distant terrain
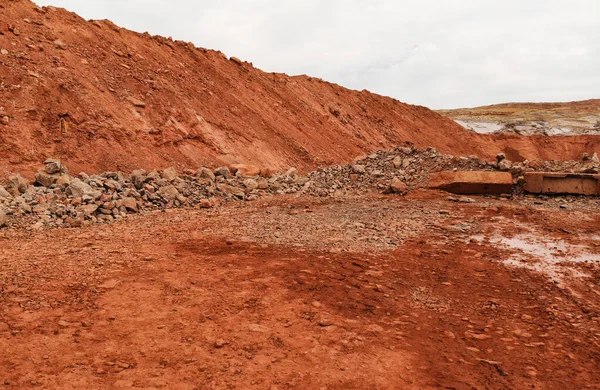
x=572 y=118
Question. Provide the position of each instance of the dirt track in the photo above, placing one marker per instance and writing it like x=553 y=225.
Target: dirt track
x=271 y=294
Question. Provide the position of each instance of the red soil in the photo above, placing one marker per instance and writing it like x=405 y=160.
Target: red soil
x=200 y=107
x=190 y=300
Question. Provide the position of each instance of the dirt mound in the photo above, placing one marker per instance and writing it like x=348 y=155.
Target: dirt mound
x=140 y=101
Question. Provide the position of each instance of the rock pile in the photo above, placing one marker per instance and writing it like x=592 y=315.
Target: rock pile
x=59 y=199
x=406 y=168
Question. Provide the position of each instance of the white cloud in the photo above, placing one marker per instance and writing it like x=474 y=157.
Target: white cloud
x=433 y=52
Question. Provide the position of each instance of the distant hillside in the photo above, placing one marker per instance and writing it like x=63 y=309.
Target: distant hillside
x=581 y=117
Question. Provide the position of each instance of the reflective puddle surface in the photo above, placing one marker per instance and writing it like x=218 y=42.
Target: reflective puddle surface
x=552 y=257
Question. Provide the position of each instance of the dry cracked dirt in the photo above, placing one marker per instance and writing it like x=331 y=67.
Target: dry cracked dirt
x=298 y=292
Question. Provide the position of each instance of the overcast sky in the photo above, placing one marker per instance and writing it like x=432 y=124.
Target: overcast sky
x=438 y=53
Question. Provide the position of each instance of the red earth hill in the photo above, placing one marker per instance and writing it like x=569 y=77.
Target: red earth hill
x=136 y=100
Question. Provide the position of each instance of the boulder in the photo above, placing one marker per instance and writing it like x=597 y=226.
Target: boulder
x=244 y=170
x=359 y=169
x=397 y=186
x=223 y=171
x=60 y=44
x=88 y=209
x=505 y=165
x=231 y=190
x=397 y=162
x=3 y=219
x=263 y=184
x=292 y=172
x=266 y=172
x=205 y=173
x=45 y=179
x=301 y=180
x=63 y=180
x=130 y=204
x=4 y=193
x=168 y=193
x=169 y=174
x=18 y=183
x=152 y=176
x=250 y=184
x=206 y=203
x=53 y=166
x=80 y=189
x=138 y=177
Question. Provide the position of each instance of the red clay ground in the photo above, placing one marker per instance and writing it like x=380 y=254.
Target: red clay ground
x=366 y=293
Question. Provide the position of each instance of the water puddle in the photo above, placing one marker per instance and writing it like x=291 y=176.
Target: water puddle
x=554 y=258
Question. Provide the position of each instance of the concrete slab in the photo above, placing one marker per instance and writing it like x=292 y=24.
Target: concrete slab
x=562 y=183
x=472 y=182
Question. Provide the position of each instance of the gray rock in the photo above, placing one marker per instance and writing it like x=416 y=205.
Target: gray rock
x=88 y=209
x=231 y=190
x=397 y=186
x=263 y=184
x=169 y=174
x=505 y=165
x=292 y=172
x=138 y=177
x=3 y=219
x=4 y=193
x=250 y=184
x=276 y=186
x=63 y=180
x=357 y=168
x=18 y=182
x=205 y=173
x=153 y=176
x=45 y=179
x=301 y=180
x=54 y=166
x=130 y=204
x=168 y=193
x=80 y=189
x=223 y=171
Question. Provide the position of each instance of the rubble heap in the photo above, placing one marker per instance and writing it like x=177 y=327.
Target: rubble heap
x=408 y=166
x=58 y=199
